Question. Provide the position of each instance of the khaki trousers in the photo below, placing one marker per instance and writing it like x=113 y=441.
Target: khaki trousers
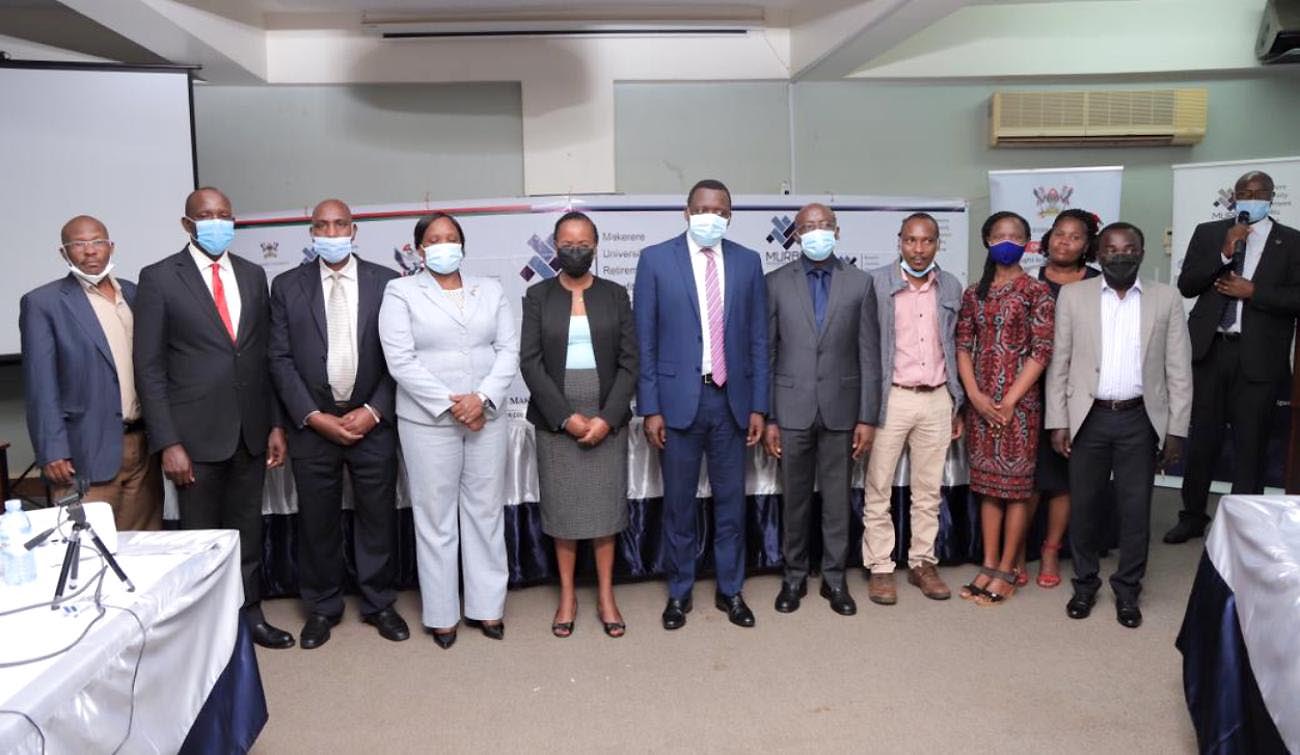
x=921 y=423
x=136 y=493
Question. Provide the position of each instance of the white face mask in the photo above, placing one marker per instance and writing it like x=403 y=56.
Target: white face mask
x=708 y=228
x=88 y=277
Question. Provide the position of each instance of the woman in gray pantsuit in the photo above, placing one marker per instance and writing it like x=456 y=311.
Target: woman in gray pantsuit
x=451 y=345
x=579 y=359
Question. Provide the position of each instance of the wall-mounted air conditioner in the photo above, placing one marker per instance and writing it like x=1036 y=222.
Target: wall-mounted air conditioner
x=1116 y=118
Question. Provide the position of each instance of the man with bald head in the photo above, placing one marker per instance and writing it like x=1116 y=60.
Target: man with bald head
x=201 y=335
x=817 y=423
x=83 y=413
x=1245 y=271
x=329 y=369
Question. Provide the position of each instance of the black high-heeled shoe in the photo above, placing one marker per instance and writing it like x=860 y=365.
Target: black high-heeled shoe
x=495 y=631
x=444 y=640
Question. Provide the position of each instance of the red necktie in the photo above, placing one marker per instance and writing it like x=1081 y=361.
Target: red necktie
x=219 y=295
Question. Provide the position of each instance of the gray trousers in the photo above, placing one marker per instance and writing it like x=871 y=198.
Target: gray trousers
x=808 y=456
x=457 y=481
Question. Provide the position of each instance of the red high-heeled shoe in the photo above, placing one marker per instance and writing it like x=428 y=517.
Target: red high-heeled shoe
x=1049 y=580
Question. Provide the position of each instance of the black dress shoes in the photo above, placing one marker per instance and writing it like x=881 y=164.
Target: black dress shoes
x=1127 y=613
x=840 y=600
x=1080 y=606
x=1186 y=529
x=390 y=624
x=316 y=631
x=675 y=612
x=494 y=631
x=787 y=601
x=734 y=606
x=269 y=636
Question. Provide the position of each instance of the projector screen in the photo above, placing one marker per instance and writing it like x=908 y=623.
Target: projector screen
x=115 y=142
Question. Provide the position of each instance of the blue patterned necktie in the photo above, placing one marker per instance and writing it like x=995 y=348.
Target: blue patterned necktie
x=821 y=294
x=1229 y=316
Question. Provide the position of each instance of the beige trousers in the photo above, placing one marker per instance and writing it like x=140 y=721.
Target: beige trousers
x=136 y=493
x=921 y=423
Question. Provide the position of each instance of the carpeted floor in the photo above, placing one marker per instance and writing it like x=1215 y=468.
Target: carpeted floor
x=921 y=676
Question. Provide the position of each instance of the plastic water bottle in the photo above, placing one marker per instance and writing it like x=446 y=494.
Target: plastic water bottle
x=16 y=529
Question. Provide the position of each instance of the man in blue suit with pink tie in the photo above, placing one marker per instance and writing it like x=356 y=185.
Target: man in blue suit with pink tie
x=701 y=307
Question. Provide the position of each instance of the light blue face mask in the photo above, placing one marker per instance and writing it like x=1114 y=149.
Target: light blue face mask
x=907 y=270
x=817 y=244
x=1256 y=209
x=332 y=249
x=443 y=259
x=214 y=235
x=708 y=228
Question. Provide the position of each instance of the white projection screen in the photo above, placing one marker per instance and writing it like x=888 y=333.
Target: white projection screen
x=115 y=142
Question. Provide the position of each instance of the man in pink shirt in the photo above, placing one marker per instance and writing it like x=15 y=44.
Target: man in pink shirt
x=913 y=317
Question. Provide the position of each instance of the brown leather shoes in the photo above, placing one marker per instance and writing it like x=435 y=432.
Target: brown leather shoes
x=927 y=578
x=881 y=589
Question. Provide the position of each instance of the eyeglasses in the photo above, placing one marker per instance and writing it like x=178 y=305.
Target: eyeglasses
x=1253 y=194
x=99 y=245
x=824 y=225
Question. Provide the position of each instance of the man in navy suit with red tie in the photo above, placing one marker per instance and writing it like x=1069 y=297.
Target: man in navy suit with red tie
x=701 y=314
x=202 y=324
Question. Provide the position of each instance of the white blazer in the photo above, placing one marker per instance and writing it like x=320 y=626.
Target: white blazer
x=435 y=350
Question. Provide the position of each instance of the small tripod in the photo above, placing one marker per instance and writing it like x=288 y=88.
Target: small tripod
x=71 y=503
x=68 y=574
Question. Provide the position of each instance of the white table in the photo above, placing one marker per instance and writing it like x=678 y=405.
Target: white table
x=1250 y=572
x=141 y=684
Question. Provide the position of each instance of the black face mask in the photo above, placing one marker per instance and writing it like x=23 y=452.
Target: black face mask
x=1121 y=270
x=575 y=260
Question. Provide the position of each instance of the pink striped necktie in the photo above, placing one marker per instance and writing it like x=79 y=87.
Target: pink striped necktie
x=713 y=295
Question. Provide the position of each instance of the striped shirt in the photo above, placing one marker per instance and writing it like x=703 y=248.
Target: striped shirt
x=1120 y=375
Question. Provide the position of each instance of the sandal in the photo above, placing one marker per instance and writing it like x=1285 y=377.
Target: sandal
x=991 y=598
x=1049 y=580
x=970 y=590
x=563 y=629
x=613 y=629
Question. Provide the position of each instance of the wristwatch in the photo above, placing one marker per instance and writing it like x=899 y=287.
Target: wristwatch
x=486 y=401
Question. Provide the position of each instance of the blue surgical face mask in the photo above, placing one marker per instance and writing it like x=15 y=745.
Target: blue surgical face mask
x=443 y=259
x=1256 y=209
x=214 y=235
x=817 y=244
x=707 y=228
x=332 y=249
x=907 y=270
x=1007 y=252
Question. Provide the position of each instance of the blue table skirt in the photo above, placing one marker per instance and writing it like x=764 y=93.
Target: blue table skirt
x=235 y=710
x=640 y=551
x=1222 y=696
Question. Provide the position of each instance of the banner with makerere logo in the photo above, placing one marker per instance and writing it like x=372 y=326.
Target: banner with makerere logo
x=510 y=239
x=1040 y=195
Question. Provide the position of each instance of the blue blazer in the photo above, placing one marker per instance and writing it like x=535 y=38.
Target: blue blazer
x=667 y=310
x=74 y=402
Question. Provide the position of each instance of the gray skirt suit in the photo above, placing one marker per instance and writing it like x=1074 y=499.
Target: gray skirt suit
x=583 y=489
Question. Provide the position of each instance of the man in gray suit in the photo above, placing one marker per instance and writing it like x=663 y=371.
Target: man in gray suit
x=1120 y=379
x=913 y=396
x=816 y=423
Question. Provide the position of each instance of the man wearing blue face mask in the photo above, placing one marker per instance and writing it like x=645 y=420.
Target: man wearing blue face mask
x=1246 y=272
x=201 y=330
x=700 y=307
x=816 y=423
x=329 y=370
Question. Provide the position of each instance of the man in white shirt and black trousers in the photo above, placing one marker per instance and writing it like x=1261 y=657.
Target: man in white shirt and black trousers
x=1120 y=380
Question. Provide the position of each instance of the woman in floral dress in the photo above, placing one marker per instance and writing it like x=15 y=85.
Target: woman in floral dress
x=1004 y=342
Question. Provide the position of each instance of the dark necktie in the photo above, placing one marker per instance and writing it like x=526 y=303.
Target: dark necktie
x=1229 y=316
x=821 y=295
